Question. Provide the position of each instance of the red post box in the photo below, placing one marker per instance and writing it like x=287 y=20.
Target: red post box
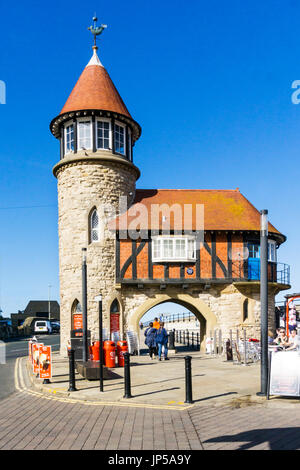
x=122 y=347
x=109 y=353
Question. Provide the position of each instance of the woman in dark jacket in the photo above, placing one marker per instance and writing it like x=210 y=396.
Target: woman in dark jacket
x=150 y=340
x=162 y=341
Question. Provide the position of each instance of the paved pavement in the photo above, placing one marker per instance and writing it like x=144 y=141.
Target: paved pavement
x=226 y=413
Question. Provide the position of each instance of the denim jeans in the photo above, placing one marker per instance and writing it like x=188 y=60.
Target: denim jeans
x=160 y=345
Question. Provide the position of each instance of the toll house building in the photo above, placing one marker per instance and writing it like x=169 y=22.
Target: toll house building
x=216 y=278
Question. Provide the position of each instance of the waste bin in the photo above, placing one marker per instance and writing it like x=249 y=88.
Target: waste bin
x=109 y=353
x=76 y=343
x=122 y=347
x=94 y=351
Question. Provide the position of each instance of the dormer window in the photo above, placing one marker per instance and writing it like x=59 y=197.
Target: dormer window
x=120 y=133
x=103 y=134
x=69 y=138
x=84 y=134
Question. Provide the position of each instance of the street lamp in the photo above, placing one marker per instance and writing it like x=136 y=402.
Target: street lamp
x=84 y=306
x=264 y=299
x=99 y=300
x=49 y=311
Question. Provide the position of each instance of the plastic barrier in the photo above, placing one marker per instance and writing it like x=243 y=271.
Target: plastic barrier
x=109 y=353
x=122 y=347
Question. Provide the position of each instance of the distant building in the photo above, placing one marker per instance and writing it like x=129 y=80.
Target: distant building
x=36 y=308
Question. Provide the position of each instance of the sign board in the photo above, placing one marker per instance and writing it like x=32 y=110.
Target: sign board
x=285 y=373
x=77 y=321
x=114 y=322
x=35 y=357
x=45 y=363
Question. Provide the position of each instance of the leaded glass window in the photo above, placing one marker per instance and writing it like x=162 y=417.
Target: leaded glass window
x=94 y=226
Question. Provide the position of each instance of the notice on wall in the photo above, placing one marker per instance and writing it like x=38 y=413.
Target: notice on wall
x=285 y=373
x=45 y=364
x=77 y=321
x=114 y=322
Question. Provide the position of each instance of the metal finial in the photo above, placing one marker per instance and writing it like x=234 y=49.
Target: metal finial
x=96 y=30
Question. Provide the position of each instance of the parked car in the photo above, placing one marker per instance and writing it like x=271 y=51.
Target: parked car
x=55 y=326
x=42 y=326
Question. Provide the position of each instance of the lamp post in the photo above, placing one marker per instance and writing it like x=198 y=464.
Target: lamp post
x=84 y=306
x=99 y=300
x=49 y=311
x=264 y=299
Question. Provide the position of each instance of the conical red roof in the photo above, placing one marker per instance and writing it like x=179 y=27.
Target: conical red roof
x=95 y=90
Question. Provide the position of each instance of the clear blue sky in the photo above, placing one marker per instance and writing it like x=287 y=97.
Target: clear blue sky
x=209 y=82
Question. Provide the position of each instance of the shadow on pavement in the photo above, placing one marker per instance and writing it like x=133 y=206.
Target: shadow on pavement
x=278 y=438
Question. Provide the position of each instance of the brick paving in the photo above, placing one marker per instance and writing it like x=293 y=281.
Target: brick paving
x=36 y=423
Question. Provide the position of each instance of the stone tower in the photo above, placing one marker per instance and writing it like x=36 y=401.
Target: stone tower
x=97 y=135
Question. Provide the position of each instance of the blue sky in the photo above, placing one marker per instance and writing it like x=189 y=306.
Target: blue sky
x=209 y=82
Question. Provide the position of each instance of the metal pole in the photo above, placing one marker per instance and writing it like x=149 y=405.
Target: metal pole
x=84 y=306
x=72 y=385
x=101 y=345
x=188 y=379
x=245 y=348
x=220 y=342
x=49 y=310
x=215 y=342
x=264 y=300
x=127 y=382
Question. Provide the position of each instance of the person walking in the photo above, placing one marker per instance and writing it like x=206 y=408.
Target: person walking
x=162 y=341
x=156 y=323
x=150 y=341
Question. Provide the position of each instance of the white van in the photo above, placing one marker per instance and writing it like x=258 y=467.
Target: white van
x=43 y=326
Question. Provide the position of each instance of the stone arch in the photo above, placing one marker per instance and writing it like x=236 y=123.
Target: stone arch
x=198 y=307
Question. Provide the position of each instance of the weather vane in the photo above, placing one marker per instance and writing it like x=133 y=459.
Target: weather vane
x=96 y=30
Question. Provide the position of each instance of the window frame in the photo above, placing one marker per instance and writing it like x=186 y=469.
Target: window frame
x=91 y=229
x=80 y=120
x=120 y=124
x=173 y=258
x=272 y=243
x=66 y=125
x=100 y=119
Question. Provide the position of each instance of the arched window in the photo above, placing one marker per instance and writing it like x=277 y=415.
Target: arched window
x=115 y=308
x=76 y=311
x=94 y=226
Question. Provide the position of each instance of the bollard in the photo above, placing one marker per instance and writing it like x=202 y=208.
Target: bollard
x=229 y=350
x=172 y=339
x=127 y=384
x=188 y=337
x=72 y=385
x=215 y=343
x=188 y=380
x=220 y=342
x=192 y=340
x=198 y=340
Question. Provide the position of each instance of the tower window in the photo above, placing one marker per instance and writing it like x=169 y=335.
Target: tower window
x=69 y=138
x=129 y=145
x=94 y=224
x=84 y=135
x=120 y=138
x=103 y=135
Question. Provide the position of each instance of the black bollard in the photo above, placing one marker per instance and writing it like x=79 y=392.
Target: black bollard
x=229 y=350
x=72 y=385
x=127 y=384
x=172 y=340
x=188 y=380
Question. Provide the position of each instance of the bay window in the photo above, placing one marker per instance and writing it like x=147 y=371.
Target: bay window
x=173 y=249
x=120 y=138
x=69 y=138
x=103 y=134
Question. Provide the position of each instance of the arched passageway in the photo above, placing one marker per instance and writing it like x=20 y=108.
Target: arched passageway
x=201 y=311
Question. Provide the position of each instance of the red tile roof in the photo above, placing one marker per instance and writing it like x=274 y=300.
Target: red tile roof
x=223 y=209
x=95 y=90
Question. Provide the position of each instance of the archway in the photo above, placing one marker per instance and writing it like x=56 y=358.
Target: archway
x=198 y=307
